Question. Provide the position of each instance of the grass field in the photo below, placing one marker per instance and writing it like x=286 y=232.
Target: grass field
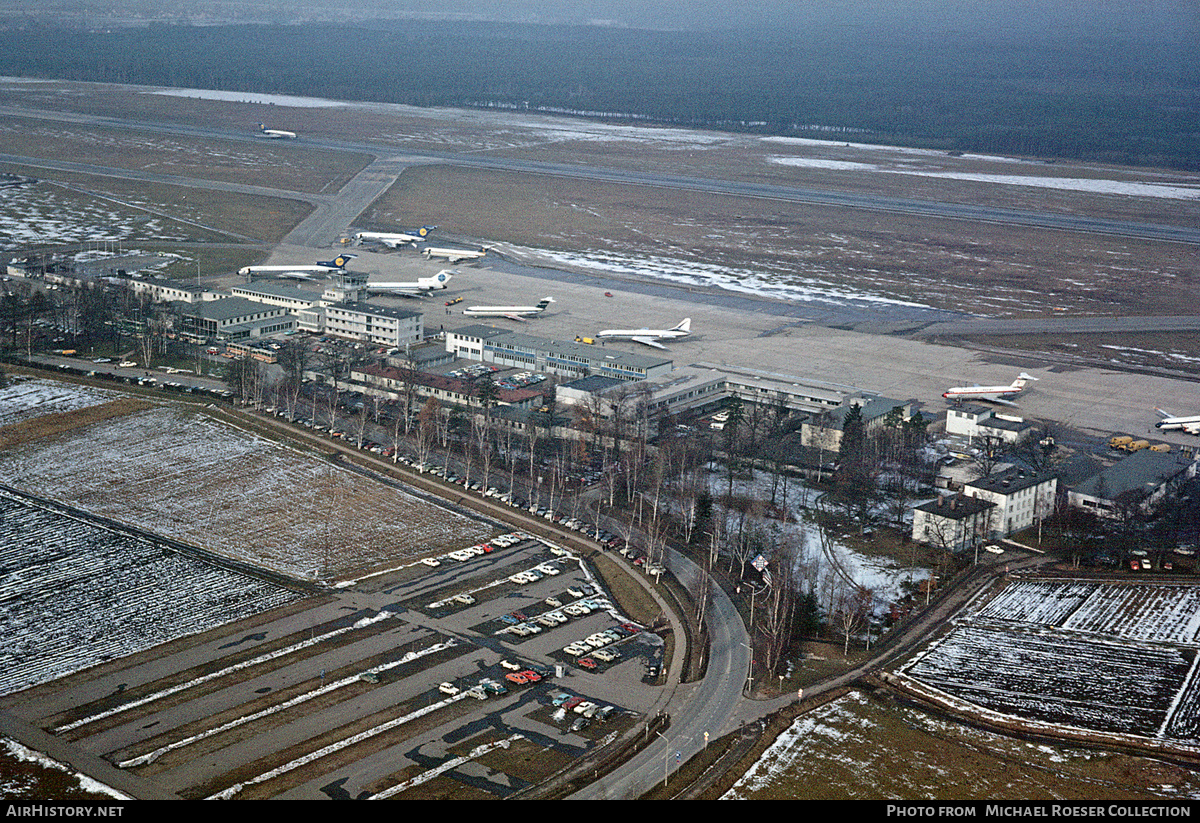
x=982 y=268
x=861 y=748
x=179 y=216
x=253 y=162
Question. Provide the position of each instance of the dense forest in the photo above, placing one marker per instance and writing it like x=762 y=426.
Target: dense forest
x=1103 y=98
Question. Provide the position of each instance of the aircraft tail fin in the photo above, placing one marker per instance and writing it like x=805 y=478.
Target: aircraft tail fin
x=1022 y=379
x=685 y=326
x=338 y=262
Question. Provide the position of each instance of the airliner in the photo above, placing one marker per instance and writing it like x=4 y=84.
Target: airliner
x=649 y=337
x=276 y=134
x=336 y=264
x=511 y=312
x=454 y=255
x=995 y=394
x=396 y=239
x=1188 y=425
x=422 y=284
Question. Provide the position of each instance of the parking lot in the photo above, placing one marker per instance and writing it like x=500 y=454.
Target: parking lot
x=482 y=670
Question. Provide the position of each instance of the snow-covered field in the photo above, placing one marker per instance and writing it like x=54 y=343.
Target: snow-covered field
x=824 y=563
x=1081 y=682
x=29 y=787
x=26 y=398
x=182 y=474
x=812 y=284
x=73 y=595
x=1157 y=613
x=1082 y=184
x=42 y=214
x=1109 y=657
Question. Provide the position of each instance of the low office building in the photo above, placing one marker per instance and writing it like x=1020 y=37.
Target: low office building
x=394 y=383
x=1136 y=482
x=232 y=319
x=172 y=291
x=824 y=431
x=954 y=522
x=291 y=296
x=376 y=325
x=974 y=421
x=540 y=354
x=1021 y=497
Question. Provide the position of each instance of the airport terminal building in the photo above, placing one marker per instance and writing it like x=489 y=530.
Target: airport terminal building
x=539 y=354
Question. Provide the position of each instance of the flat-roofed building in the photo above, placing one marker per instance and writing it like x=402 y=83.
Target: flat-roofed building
x=232 y=319
x=540 y=354
x=971 y=421
x=172 y=291
x=394 y=382
x=377 y=325
x=291 y=296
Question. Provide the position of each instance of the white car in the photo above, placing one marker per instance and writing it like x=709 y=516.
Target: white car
x=448 y=688
x=431 y=561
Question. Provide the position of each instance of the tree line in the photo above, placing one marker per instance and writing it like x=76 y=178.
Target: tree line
x=1102 y=100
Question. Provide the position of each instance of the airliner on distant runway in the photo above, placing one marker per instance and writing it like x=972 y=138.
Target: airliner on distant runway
x=276 y=134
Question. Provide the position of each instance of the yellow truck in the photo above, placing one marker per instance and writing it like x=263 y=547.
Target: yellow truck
x=1137 y=445
x=1119 y=441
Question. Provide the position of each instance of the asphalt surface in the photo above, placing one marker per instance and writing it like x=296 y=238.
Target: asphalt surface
x=839 y=199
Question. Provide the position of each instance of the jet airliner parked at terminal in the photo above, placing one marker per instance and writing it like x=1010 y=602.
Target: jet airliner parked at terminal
x=276 y=134
x=455 y=255
x=995 y=394
x=649 y=337
x=511 y=312
x=301 y=272
x=395 y=239
x=1188 y=425
x=422 y=284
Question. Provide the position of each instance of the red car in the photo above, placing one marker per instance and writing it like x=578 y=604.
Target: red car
x=587 y=662
x=516 y=678
x=530 y=675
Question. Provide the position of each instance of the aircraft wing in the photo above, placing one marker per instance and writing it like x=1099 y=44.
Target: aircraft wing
x=648 y=341
x=516 y=317
x=1005 y=402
